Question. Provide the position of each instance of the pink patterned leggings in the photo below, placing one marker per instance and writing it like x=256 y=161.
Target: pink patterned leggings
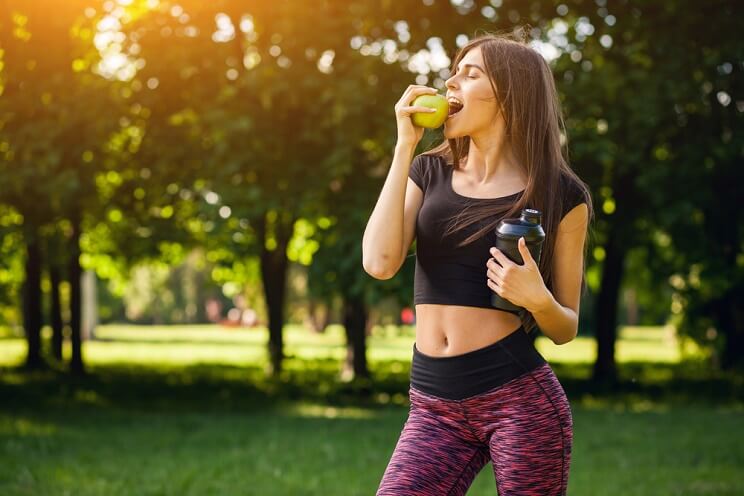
x=524 y=427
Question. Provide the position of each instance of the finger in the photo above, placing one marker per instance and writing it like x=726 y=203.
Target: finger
x=500 y=257
x=414 y=91
x=412 y=87
x=414 y=110
x=420 y=87
x=494 y=287
x=493 y=266
x=526 y=255
x=418 y=90
x=493 y=276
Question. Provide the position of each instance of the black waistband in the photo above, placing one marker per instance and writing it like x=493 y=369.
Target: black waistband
x=461 y=376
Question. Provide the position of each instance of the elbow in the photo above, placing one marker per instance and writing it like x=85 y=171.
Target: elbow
x=382 y=275
x=378 y=270
x=571 y=329
x=565 y=339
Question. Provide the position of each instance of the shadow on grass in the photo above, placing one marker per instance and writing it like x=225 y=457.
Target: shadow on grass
x=226 y=388
x=197 y=388
x=690 y=382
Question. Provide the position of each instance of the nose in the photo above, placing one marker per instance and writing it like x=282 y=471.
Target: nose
x=450 y=83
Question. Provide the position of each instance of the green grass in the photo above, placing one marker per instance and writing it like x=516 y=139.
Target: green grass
x=181 y=411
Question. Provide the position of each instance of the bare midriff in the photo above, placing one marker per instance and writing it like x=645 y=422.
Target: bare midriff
x=449 y=330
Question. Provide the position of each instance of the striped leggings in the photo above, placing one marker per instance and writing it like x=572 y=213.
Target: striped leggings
x=524 y=427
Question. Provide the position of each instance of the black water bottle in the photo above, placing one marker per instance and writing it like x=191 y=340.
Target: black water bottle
x=508 y=233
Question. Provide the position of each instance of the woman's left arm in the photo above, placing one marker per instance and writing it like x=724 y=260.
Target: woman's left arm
x=557 y=313
x=558 y=317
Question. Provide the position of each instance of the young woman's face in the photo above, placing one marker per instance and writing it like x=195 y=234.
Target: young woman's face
x=470 y=86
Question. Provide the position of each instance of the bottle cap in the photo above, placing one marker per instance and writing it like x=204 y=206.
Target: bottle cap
x=531 y=215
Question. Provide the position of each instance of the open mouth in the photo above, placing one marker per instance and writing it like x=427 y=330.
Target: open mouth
x=455 y=106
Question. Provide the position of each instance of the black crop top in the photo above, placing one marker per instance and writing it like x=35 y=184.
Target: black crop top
x=446 y=273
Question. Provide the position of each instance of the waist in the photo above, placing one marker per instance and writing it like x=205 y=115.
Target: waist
x=448 y=329
x=461 y=376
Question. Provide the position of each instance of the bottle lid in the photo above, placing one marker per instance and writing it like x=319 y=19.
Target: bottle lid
x=531 y=215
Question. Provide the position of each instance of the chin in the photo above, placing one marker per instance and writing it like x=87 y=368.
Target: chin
x=453 y=131
x=450 y=133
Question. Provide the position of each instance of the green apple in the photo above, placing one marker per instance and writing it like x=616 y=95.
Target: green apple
x=430 y=120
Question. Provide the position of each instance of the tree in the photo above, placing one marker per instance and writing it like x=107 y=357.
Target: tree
x=52 y=121
x=637 y=124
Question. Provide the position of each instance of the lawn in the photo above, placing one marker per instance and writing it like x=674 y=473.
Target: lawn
x=188 y=410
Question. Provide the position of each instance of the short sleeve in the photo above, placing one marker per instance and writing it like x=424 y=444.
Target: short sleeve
x=418 y=172
x=573 y=195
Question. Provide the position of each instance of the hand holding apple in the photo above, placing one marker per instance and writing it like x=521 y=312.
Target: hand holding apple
x=408 y=132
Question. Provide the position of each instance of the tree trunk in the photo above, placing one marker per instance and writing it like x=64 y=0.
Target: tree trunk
x=32 y=302
x=319 y=315
x=325 y=320
x=56 y=311
x=274 y=271
x=729 y=317
x=312 y=318
x=727 y=310
x=75 y=273
x=355 y=323
x=607 y=308
x=274 y=266
x=631 y=302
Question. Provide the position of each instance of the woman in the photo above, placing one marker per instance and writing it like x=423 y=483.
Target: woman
x=480 y=391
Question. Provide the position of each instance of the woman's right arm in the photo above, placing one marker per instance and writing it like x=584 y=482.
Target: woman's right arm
x=392 y=225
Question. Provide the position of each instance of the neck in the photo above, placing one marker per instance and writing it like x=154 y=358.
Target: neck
x=490 y=158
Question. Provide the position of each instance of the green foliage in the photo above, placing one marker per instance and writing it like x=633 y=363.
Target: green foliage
x=11 y=264
x=228 y=125
x=655 y=130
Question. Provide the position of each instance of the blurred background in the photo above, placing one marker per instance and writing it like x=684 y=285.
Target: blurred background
x=183 y=191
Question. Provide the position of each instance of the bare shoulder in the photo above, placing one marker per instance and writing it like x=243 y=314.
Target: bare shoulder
x=576 y=220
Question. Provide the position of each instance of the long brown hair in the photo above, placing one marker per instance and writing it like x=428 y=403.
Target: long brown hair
x=523 y=84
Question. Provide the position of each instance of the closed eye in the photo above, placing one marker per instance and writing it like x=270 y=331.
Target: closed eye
x=472 y=75
x=469 y=76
